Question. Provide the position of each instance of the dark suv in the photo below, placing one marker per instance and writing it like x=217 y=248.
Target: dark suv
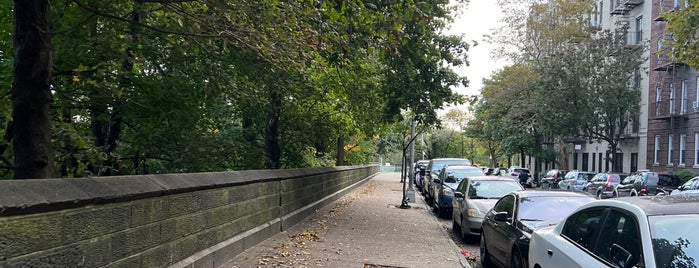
x=602 y=185
x=552 y=177
x=432 y=172
x=647 y=183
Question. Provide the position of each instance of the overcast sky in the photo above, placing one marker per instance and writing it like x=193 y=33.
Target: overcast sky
x=477 y=20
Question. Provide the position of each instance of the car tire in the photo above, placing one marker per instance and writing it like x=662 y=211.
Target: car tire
x=485 y=255
x=455 y=226
x=599 y=194
x=516 y=260
x=615 y=194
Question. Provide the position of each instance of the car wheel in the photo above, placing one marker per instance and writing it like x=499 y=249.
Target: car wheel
x=516 y=260
x=568 y=188
x=485 y=255
x=455 y=226
x=599 y=194
x=615 y=194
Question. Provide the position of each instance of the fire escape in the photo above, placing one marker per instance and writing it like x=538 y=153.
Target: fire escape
x=672 y=105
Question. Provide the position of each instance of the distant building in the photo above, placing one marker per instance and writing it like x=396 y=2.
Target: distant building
x=673 y=128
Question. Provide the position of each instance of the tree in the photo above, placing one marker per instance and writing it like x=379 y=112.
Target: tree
x=31 y=90
x=683 y=24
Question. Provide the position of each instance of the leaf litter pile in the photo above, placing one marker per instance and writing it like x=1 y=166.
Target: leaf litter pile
x=294 y=252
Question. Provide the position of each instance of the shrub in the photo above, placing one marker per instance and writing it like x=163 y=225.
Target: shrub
x=685 y=175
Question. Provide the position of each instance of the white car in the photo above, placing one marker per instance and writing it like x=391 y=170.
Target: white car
x=651 y=231
x=690 y=187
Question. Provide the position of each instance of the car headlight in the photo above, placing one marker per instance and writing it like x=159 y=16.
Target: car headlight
x=447 y=192
x=474 y=212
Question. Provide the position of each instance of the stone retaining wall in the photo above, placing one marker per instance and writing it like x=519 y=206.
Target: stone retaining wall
x=178 y=220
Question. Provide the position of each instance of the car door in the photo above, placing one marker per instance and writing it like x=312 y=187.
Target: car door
x=625 y=186
x=572 y=246
x=458 y=203
x=500 y=234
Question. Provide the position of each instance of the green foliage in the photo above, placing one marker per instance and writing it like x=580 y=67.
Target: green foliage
x=683 y=24
x=159 y=87
x=685 y=175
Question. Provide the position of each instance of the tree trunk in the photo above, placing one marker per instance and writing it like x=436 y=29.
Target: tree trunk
x=272 y=147
x=340 y=161
x=31 y=93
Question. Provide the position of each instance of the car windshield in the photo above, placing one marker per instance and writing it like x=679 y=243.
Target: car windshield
x=549 y=208
x=492 y=189
x=438 y=165
x=457 y=175
x=675 y=240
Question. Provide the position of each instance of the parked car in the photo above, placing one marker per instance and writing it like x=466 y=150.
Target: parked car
x=653 y=231
x=420 y=167
x=488 y=170
x=551 y=178
x=647 y=183
x=575 y=180
x=499 y=171
x=520 y=174
x=448 y=180
x=509 y=224
x=432 y=172
x=691 y=187
x=474 y=197
x=602 y=185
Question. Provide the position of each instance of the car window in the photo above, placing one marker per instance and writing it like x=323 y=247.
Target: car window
x=675 y=240
x=549 y=209
x=582 y=227
x=628 y=180
x=619 y=229
x=438 y=165
x=506 y=204
x=462 y=186
x=615 y=178
x=492 y=189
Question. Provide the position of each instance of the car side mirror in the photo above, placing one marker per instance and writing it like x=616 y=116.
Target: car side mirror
x=436 y=181
x=622 y=257
x=458 y=195
x=501 y=216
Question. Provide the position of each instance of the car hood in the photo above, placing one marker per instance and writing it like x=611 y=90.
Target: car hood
x=483 y=204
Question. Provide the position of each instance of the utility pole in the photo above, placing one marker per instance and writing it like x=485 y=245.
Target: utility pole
x=411 y=190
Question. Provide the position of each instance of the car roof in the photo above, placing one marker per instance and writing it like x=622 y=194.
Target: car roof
x=460 y=167
x=666 y=205
x=552 y=193
x=438 y=159
x=489 y=178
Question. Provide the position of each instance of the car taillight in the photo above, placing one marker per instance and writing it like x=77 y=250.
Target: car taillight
x=644 y=190
x=555 y=178
x=607 y=186
x=514 y=174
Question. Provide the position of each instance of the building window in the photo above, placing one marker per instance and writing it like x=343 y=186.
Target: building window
x=672 y=99
x=697 y=100
x=639 y=29
x=675 y=3
x=658 y=98
x=683 y=105
x=669 y=150
x=683 y=148
x=601 y=10
x=593 y=162
x=657 y=149
x=637 y=79
x=696 y=150
x=599 y=164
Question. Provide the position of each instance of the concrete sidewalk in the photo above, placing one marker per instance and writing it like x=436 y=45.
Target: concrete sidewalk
x=365 y=228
